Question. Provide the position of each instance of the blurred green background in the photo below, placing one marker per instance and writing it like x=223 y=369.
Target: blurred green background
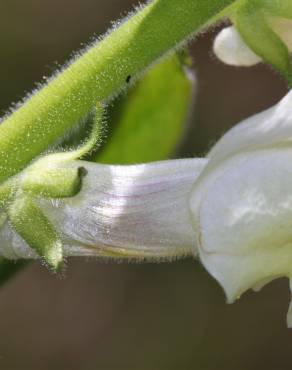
x=127 y=316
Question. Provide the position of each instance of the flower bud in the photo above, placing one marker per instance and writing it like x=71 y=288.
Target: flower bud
x=256 y=36
x=232 y=50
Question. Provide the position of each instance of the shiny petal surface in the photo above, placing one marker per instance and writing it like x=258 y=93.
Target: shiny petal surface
x=272 y=127
x=138 y=211
x=244 y=220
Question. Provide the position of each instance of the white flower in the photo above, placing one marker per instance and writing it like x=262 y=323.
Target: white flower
x=242 y=203
x=232 y=210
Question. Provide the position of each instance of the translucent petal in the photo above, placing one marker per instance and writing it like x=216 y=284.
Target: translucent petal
x=244 y=219
x=139 y=211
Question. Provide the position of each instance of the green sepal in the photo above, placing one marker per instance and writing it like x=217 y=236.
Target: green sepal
x=252 y=22
x=53 y=183
x=278 y=8
x=31 y=224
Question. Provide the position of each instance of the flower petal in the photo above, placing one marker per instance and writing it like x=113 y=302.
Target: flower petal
x=269 y=128
x=138 y=211
x=232 y=50
x=244 y=219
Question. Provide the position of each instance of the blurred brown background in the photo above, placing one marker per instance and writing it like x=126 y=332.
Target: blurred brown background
x=148 y=316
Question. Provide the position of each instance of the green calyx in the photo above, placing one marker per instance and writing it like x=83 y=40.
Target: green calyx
x=48 y=177
x=32 y=225
x=54 y=183
x=20 y=206
x=277 y=8
x=254 y=21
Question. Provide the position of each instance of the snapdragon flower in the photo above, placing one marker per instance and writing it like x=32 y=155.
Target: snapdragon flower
x=232 y=210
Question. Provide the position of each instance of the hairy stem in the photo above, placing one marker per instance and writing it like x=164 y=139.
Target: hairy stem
x=98 y=74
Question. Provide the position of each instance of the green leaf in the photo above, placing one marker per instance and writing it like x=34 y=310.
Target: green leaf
x=152 y=116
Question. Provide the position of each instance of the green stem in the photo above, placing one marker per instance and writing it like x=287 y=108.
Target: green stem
x=97 y=75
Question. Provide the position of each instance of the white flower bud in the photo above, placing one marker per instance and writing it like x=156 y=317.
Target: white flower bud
x=230 y=48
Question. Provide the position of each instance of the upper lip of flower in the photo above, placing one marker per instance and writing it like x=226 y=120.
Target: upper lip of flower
x=242 y=202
